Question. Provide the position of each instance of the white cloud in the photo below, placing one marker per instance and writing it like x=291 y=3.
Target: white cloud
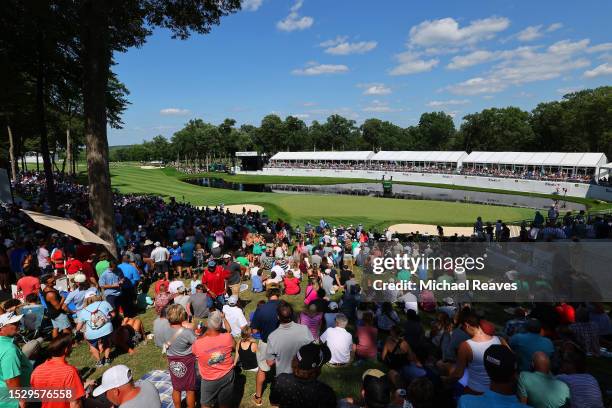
x=477 y=85
x=380 y=107
x=293 y=21
x=411 y=63
x=320 y=69
x=375 y=89
x=346 y=48
x=450 y=102
x=335 y=41
x=554 y=27
x=565 y=91
x=174 y=112
x=473 y=58
x=446 y=31
x=530 y=33
x=603 y=69
x=301 y=115
x=251 y=5
x=600 y=48
x=524 y=65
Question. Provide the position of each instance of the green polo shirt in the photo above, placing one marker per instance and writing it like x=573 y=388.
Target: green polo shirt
x=543 y=390
x=102 y=266
x=243 y=261
x=13 y=363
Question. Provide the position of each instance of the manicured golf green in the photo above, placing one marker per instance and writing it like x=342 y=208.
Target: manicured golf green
x=301 y=208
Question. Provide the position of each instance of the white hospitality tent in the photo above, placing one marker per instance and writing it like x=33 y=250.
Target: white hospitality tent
x=319 y=156
x=416 y=158
x=569 y=163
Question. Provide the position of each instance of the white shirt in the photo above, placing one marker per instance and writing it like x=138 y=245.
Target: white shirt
x=279 y=270
x=254 y=270
x=43 y=257
x=160 y=254
x=340 y=343
x=410 y=302
x=175 y=285
x=235 y=317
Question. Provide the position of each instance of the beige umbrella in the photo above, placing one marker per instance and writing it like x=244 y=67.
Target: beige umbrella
x=67 y=226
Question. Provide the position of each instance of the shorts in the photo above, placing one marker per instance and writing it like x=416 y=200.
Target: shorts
x=182 y=372
x=261 y=356
x=61 y=322
x=187 y=264
x=176 y=264
x=104 y=340
x=161 y=267
x=217 y=392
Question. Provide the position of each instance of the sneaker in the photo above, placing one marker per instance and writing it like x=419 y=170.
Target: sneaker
x=258 y=401
x=99 y=363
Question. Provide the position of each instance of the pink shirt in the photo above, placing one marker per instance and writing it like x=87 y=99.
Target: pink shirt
x=366 y=336
x=311 y=294
x=312 y=322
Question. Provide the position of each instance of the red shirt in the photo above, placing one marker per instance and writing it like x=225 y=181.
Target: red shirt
x=215 y=281
x=158 y=284
x=73 y=266
x=57 y=257
x=214 y=354
x=55 y=373
x=88 y=270
x=567 y=313
x=292 y=286
x=28 y=284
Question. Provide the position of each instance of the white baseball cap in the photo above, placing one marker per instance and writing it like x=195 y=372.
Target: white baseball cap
x=175 y=243
x=80 y=278
x=232 y=300
x=114 y=377
x=226 y=256
x=9 y=318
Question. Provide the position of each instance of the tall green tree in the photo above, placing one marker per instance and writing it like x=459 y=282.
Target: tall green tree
x=436 y=130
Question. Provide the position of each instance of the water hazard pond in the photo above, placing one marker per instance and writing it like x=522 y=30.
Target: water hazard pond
x=400 y=191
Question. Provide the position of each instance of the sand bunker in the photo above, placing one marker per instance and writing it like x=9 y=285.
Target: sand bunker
x=150 y=167
x=237 y=208
x=448 y=231
x=430 y=229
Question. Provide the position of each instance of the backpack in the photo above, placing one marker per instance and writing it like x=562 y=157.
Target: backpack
x=97 y=318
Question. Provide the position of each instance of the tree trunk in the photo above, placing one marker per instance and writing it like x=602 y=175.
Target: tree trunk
x=69 y=151
x=42 y=122
x=37 y=163
x=12 y=153
x=96 y=57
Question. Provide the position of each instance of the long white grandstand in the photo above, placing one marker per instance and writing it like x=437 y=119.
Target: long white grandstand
x=571 y=174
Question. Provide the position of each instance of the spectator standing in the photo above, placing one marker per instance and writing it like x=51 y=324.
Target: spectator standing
x=214 y=354
x=56 y=373
x=15 y=368
x=181 y=361
x=96 y=317
x=214 y=284
x=110 y=282
x=161 y=256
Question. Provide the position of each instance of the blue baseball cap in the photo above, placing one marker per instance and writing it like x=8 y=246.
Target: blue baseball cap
x=212 y=264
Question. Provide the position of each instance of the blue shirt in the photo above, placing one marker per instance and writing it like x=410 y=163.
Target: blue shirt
x=489 y=399
x=525 y=344
x=89 y=313
x=188 y=248
x=265 y=319
x=77 y=297
x=109 y=278
x=256 y=282
x=130 y=272
x=175 y=254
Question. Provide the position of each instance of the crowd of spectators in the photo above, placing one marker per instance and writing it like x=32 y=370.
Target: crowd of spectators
x=192 y=268
x=440 y=168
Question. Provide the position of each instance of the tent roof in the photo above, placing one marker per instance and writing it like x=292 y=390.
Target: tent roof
x=423 y=156
x=538 y=158
x=334 y=155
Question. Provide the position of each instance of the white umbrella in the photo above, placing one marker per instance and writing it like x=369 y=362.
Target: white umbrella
x=67 y=226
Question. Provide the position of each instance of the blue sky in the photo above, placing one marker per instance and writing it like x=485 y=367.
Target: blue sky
x=312 y=58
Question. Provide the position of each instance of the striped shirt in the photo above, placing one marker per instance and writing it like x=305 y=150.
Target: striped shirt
x=584 y=390
x=57 y=374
